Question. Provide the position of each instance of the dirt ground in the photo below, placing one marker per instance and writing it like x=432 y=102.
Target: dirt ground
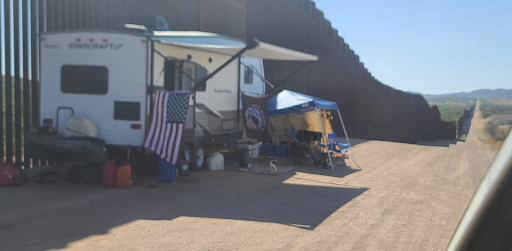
x=408 y=197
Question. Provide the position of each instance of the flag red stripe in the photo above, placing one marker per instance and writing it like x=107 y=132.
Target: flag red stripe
x=149 y=134
x=163 y=123
x=177 y=144
x=171 y=143
x=168 y=130
x=158 y=132
x=154 y=123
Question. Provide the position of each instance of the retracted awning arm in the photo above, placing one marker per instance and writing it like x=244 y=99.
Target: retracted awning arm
x=250 y=46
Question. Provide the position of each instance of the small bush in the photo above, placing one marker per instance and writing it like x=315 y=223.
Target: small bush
x=497 y=132
x=490 y=128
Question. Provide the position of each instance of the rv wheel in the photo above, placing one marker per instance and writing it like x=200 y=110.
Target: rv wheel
x=199 y=157
x=185 y=159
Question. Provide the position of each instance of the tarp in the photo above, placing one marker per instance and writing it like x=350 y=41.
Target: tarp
x=291 y=102
x=211 y=42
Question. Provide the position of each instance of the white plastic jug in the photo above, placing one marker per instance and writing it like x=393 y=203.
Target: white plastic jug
x=215 y=162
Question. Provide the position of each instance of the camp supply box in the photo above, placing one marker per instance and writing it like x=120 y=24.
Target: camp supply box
x=253 y=150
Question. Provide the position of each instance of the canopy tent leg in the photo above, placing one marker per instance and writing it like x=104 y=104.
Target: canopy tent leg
x=348 y=140
x=323 y=136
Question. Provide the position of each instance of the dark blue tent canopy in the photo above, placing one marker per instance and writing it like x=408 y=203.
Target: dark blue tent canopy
x=292 y=102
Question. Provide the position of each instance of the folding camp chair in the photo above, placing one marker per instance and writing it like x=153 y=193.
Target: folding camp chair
x=330 y=148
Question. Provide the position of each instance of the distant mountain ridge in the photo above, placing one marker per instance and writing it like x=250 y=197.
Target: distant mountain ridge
x=481 y=93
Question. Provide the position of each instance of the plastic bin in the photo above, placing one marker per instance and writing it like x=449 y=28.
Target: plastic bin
x=268 y=149
x=166 y=171
x=280 y=150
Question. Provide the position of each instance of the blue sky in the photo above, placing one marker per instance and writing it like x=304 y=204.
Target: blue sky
x=430 y=46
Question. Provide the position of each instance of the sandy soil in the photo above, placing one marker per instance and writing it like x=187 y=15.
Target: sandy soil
x=408 y=197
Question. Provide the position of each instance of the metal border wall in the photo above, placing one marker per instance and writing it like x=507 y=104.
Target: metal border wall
x=372 y=110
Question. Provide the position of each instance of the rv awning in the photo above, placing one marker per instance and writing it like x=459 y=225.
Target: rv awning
x=287 y=102
x=215 y=43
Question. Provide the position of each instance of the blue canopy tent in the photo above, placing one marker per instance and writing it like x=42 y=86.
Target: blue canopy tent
x=288 y=102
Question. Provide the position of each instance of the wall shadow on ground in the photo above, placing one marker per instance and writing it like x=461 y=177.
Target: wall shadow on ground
x=439 y=142
x=68 y=213
x=340 y=170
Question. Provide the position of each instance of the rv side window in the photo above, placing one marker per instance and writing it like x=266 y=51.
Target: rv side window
x=124 y=110
x=84 y=79
x=201 y=73
x=248 y=75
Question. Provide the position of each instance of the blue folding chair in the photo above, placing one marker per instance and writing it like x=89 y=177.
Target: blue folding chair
x=330 y=147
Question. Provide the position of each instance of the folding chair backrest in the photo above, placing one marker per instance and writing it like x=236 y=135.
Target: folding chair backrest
x=331 y=137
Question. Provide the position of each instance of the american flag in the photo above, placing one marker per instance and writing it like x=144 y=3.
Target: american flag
x=167 y=124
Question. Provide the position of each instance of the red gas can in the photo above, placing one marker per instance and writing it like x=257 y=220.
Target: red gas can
x=109 y=174
x=9 y=175
x=124 y=177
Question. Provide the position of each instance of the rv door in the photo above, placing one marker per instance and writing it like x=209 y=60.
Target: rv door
x=182 y=75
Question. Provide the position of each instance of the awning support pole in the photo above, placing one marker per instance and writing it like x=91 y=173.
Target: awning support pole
x=151 y=77
x=272 y=93
x=323 y=136
x=348 y=140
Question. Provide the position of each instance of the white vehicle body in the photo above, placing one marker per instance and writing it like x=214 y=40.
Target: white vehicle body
x=125 y=57
x=109 y=77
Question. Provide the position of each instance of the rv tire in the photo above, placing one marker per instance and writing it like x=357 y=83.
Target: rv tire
x=199 y=157
x=185 y=160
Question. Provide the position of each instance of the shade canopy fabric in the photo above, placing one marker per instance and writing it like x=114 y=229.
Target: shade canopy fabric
x=211 y=42
x=287 y=102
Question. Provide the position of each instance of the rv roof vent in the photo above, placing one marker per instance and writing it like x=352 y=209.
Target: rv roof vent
x=161 y=24
x=79 y=126
x=151 y=23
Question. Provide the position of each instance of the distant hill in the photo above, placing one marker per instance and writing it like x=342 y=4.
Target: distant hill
x=481 y=93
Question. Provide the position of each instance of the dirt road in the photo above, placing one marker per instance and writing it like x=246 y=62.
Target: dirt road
x=408 y=197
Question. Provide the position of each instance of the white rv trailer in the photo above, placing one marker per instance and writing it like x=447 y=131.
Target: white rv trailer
x=109 y=77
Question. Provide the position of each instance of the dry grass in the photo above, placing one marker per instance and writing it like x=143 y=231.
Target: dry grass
x=495 y=145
